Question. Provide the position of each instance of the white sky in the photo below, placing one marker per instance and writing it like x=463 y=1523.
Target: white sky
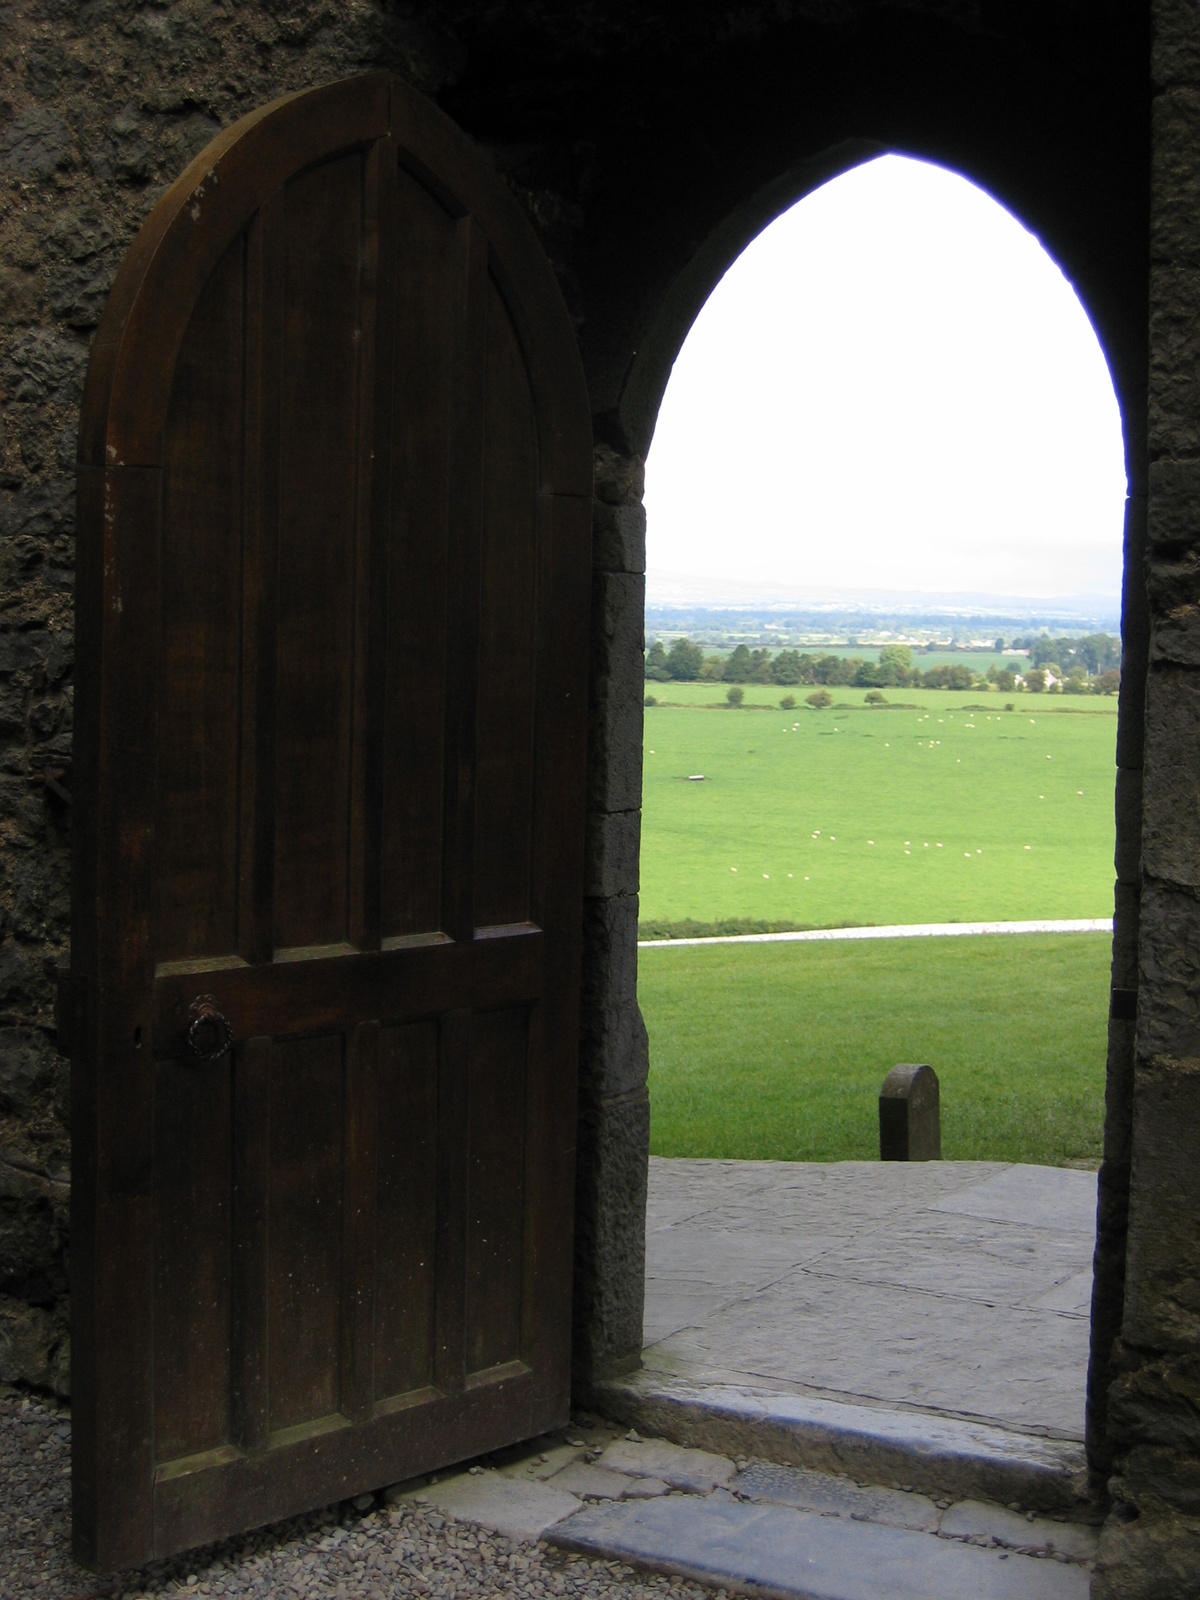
x=893 y=387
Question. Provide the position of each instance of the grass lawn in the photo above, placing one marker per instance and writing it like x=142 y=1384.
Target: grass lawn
x=778 y=1051
x=946 y=808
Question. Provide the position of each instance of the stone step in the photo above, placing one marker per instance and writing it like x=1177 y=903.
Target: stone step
x=798 y=1555
x=760 y=1527
x=940 y=1456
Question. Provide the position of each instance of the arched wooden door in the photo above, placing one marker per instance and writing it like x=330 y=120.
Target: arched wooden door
x=335 y=478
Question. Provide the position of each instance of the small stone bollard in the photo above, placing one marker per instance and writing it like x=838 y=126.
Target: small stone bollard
x=910 y=1119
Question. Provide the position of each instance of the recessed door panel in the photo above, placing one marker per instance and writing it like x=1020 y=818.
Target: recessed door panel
x=304 y=1230
x=197 y=790
x=496 y=1187
x=503 y=808
x=192 y=1261
x=427 y=253
x=406 y=1216
x=317 y=553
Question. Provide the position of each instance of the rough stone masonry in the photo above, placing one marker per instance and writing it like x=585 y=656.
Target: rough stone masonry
x=649 y=143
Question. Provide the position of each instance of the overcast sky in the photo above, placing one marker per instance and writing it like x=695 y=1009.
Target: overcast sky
x=892 y=387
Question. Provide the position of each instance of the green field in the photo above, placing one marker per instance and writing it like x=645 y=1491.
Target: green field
x=777 y=1051
x=977 y=660
x=943 y=808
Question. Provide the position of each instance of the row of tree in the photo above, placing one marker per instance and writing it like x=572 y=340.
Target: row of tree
x=1093 y=668
x=1098 y=652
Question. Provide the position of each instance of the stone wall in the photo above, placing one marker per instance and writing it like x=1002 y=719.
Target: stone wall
x=1151 y=1546
x=104 y=103
x=648 y=145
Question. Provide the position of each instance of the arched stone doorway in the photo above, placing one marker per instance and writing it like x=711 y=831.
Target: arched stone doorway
x=685 y=214
x=620 y=521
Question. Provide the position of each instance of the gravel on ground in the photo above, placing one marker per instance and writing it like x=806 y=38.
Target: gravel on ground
x=359 y=1551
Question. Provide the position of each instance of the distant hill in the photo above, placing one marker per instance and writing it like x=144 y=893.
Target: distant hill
x=673 y=598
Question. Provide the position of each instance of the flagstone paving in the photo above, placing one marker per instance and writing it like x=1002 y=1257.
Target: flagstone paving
x=919 y=1332
x=585 y=1512
x=760 y=1527
x=960 y=1288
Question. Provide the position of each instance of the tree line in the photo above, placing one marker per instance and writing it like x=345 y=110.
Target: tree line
x=1089 y=665
x=1098 y=652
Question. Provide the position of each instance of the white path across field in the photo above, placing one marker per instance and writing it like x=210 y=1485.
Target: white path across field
x=899 y=930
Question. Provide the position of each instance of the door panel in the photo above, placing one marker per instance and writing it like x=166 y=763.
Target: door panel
x=332 y=610
x=427 y=261
x=197 y=812
x=405 y=1215
x=314 y=671
x=505 y=751
x=304 y=1229
x=496 y=1189
x=192 y=1278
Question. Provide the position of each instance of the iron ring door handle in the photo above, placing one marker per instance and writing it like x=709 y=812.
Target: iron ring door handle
x=209 y=1035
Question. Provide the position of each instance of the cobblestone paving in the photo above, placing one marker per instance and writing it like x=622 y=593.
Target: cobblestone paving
x=346 y=1552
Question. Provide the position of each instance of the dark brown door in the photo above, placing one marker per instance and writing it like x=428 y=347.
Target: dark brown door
x=335 y=477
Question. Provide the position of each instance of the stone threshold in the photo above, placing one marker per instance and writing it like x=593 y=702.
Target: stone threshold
x=940 y=1456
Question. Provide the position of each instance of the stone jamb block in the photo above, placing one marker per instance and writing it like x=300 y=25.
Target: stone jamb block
x=614 y=1051
x=1176 y=636
x=618 y=537
x=1133 y=403
x=1135 y=637
x=1127 y=854
x=619 y=477
x=1118 y=1092
x=610 y=952
x=1162 y=1271
x=619 y=625
x=1173 y=402
x=1175 y=45
x=611 y=851
x=616 y=692
x=1173 y=592
x=615 y=724
x=1171 y=794
x=1126 y=921
x=1168 y=1010
x=1174 y=503
x=610 y=1238
x=1175 y=177
x=614 y=1054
